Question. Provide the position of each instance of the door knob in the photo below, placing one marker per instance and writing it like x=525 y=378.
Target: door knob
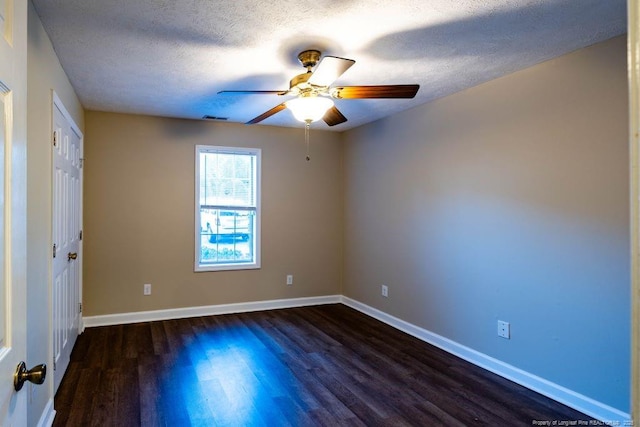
x=72 y=255
x=35 y=375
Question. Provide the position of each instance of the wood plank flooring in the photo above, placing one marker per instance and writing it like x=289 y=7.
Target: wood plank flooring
x=314 y=366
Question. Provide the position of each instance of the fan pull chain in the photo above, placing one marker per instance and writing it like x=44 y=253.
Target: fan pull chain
x=306 y=137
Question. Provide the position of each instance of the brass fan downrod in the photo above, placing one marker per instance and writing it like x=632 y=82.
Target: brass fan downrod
x=309 y=59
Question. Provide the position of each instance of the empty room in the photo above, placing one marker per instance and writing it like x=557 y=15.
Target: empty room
x=319 y=213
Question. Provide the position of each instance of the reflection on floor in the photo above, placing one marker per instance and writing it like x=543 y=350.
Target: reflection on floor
x=324 y=365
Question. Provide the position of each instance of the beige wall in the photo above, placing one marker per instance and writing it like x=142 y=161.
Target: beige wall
x=508 y=201
x=139 y=214
x=44 y=74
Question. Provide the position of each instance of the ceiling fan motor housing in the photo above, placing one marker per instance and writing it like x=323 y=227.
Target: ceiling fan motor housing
x=299 y=82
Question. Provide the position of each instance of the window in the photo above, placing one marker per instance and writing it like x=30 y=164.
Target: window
x=227 y=208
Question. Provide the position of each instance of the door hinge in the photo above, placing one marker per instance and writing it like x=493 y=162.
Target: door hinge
x=81 y=162
x=54 y=250
x=79 y=307
x=55 y=138
x=54 y=364
x=80 y=236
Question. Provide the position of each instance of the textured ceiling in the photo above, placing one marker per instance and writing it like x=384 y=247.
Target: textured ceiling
x=171 y=57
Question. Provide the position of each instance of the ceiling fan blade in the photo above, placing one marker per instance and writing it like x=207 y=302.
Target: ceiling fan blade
x=267 y=114
x=253 y=92
x=333 y=117
x=381 y=91
x=329 y=69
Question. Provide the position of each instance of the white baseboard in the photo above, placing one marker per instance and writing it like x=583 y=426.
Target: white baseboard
x=577 y=401
x=46 y=419
x=209 y=310
x=574 y=400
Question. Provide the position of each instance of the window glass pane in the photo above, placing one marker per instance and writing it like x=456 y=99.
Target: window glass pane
x=226 y=236
x=227 y=179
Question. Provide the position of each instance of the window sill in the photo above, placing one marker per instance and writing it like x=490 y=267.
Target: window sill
x=225 y=267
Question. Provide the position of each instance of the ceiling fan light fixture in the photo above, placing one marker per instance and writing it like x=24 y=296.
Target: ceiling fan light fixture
x=309 y=108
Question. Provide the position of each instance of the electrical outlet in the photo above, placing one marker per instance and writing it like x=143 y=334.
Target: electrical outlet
x=147 y=289
x=289 y=279
x=385 y=291
x=504 y=329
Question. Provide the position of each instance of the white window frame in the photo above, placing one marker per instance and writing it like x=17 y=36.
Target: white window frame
x=201 y=267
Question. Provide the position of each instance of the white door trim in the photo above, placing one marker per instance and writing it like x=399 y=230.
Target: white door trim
x=634 y=151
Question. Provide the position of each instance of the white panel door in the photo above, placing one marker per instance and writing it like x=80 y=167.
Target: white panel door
x=67 y=154
x=13 y=202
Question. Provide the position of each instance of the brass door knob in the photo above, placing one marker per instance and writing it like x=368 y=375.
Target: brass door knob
x=35 y=375
x=72 y=255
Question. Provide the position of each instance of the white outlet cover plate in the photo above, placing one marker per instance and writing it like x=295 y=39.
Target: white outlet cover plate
x=503 y=329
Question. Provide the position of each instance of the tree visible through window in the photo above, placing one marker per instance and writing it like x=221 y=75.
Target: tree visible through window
x=227 y=208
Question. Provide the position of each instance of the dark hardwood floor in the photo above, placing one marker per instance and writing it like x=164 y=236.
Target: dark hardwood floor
x=325 y=365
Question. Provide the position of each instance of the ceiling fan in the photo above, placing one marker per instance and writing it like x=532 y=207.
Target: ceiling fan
x=314 y=93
